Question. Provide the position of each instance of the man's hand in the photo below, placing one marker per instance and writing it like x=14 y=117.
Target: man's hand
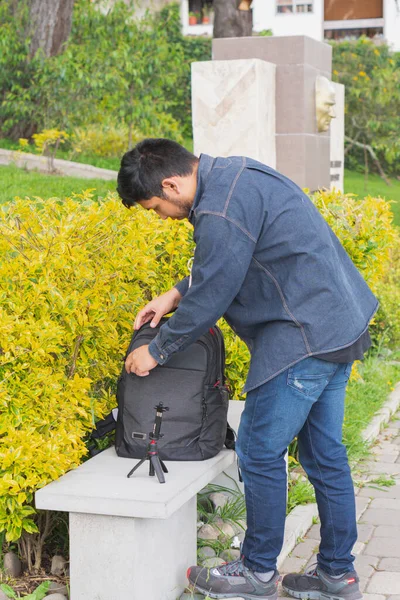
x=140 y=362
x=157 y=308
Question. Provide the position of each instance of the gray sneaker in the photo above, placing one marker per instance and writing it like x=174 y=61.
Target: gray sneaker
x=232 y=580
x=315 y=584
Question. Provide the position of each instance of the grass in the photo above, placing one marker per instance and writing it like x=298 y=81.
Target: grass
x=374 y=186
x=364 y=398
x=103 y=162
x=22 y=183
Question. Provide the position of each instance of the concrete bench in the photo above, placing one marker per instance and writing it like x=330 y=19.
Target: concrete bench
x=132 y=539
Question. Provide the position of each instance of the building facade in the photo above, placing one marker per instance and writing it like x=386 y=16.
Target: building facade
x=319 y=19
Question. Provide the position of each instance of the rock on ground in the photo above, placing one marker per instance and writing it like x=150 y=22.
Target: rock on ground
x=57 y=588
x=12 y=565
x=58 y=564
x=218 y=499
x=206 y=552
x=229 y=555
x=213 y=562
x=208 y=532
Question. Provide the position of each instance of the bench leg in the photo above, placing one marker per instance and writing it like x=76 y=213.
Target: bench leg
x=120 y=558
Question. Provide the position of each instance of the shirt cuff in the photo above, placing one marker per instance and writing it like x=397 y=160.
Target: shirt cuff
x=156 y=353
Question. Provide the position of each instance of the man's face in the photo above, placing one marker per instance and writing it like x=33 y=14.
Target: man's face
x=179 y=194
x=174 y=209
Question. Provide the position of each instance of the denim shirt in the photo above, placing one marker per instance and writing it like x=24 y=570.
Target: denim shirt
x=268 y=262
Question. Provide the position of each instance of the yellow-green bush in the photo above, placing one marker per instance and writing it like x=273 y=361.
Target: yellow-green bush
x=74 y=274
x=365 y=228
x=102 y=141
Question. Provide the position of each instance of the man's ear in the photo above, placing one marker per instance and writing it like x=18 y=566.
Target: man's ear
x=170 y=184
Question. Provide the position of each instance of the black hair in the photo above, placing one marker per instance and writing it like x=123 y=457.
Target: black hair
x=145 y=167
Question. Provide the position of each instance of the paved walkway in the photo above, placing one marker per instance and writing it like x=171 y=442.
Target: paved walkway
x=378 y=511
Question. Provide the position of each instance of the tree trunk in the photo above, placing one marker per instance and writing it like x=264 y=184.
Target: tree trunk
x=230 y=21
x=50 y=25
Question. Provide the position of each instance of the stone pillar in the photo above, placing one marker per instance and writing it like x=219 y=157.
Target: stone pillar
x=337 y=140
x=302 y=153
x=234 y=109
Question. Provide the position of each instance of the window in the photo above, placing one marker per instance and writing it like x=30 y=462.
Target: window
x=200 y=11
x=375 y=33
x=293 y=6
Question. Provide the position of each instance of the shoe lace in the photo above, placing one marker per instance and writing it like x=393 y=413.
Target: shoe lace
x=235 y=568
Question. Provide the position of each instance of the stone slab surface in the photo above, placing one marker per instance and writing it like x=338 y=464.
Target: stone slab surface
x=390 y=564
x=365 y=532
x=370 y=491
x=386 y=531
x=100 y=486
x=337 y=140
x=387 y=503
x=282 y=50
x=384 y=547
x=384 y=583
x=380 y=516
x=233 y=106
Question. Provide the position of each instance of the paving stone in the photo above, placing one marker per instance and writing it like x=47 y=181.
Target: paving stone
x=358 y=548
x=373 y=597
x=390 y=432
x=382 y=467
x=389 y=458
x=305 y=549
x=387 y=503
x=314 y=532
x=389 y=564
x=365 y=532
x=387 y=492
x=380 y=516
x=384 y=583
x=293 y=564
x=386 y=531
x=384 y=447
x=312 y=561
x=397 y=597
x=361 y=506
x=365 y=565
x=383 y=547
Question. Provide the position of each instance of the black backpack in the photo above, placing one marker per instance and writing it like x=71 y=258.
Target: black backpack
x=192 y=385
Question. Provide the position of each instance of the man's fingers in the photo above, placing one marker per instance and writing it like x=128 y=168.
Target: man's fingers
x=156 y=319
x=142 y=373
x=144 y=316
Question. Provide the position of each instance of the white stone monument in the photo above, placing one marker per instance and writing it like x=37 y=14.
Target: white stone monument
x=337 y=140
x=234 y=109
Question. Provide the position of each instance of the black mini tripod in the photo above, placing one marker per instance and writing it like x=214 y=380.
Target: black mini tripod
x=156 y=466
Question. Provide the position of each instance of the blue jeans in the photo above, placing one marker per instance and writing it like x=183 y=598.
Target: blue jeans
x=307 y=401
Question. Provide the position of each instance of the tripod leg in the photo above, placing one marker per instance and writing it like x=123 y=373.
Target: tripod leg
x=164 y=468
x=155 y=461
x=151 y=468
x=137 y=466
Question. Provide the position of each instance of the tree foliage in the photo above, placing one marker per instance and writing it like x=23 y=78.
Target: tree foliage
x=371 y=75
x=114 y=68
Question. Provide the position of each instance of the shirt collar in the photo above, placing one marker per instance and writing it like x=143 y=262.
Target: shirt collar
x=205 y=165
